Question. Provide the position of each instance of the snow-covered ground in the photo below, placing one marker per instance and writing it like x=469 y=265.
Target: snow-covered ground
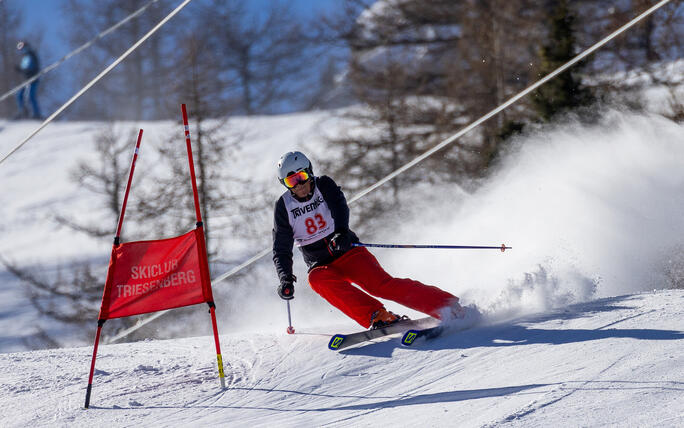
x=611 y=362
x=592 y=212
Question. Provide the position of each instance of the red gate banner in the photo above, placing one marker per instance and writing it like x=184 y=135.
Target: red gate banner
x=149 y=276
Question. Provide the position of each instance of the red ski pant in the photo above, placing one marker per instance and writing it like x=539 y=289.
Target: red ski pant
x=334 y=283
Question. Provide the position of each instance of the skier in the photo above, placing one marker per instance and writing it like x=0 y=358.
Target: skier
x=313 y=213
x=29 y=67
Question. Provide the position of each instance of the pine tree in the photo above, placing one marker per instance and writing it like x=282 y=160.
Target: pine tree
x=565 y=92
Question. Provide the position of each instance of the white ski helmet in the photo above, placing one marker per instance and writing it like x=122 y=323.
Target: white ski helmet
x=292 y=162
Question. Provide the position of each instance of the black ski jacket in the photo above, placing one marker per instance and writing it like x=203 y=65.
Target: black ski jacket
x=29 y=64
x=316 y=253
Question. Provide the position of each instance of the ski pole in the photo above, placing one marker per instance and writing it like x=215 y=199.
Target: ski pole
x=290 y=329
x=503 y=247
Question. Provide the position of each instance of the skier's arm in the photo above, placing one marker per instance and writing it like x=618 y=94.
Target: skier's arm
x=283 y=240
x=332 y=193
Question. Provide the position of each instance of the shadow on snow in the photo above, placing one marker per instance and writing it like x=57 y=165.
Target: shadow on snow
x=440 y=397
x=517 y=333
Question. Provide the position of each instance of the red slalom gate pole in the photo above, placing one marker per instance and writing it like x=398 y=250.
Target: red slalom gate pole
x=219 y=359
x=192 y=164
x=128 y=189
x=202 y=244
x=119 y=226
x=92 y=364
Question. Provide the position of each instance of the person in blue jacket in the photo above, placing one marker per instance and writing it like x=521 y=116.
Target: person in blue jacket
x=29 y=67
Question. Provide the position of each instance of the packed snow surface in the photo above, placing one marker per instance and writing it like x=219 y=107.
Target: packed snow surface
x=610 y=362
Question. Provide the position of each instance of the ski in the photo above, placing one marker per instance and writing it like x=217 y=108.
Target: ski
x=341 y=341
x=437 y=329
x=428 y=333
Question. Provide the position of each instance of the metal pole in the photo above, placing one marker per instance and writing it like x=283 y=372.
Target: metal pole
x=502 y=247
x=290 y=329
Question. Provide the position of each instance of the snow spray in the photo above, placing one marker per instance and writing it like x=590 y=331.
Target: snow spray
x=592 y=211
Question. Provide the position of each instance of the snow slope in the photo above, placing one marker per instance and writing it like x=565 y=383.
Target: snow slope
x=591 y=211
x=610 y=362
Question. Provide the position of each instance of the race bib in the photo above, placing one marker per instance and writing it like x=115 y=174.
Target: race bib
x=310 y=220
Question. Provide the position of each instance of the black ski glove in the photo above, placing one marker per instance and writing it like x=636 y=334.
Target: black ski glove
x=286 y=288
x=340 y=243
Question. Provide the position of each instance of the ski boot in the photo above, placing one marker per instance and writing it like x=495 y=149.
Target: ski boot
x=383 y=318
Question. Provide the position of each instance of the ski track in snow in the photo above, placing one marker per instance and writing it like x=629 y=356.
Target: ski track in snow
x=616 y=361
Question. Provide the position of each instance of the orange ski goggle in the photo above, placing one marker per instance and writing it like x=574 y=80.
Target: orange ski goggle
x=298 y=177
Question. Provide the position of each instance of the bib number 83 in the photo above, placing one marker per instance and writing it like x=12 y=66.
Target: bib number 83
x=312 y=225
